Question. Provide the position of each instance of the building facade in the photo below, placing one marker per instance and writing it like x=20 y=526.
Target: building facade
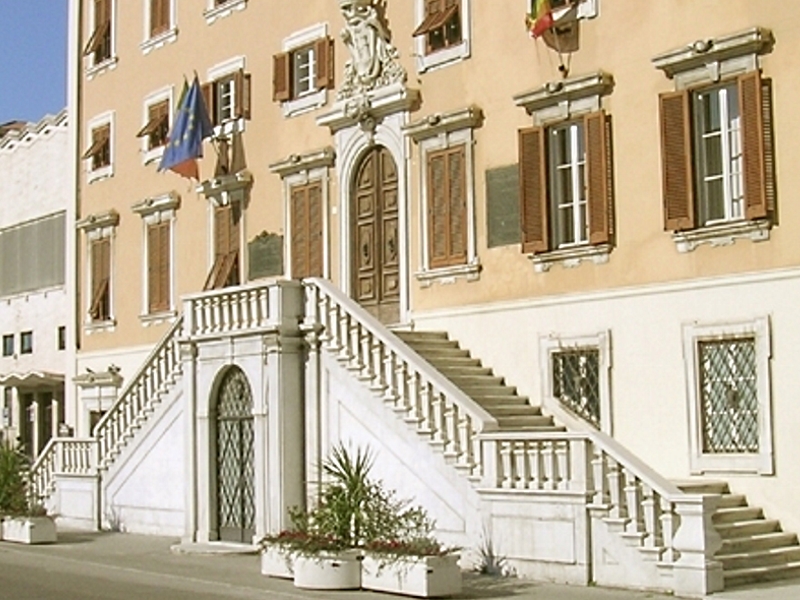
x=35 y=195
x=602 y=216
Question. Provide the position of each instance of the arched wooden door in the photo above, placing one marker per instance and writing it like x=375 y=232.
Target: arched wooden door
x=375 y=253
x=235 y=459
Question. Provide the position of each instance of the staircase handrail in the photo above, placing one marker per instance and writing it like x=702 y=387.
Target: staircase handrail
x=405 y=352
x=146 y=366
x=53 y=459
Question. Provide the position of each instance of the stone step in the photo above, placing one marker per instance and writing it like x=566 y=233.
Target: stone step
x=515 y=410
x=410 y=337
x=524 y=421
x=476 y=392
x=732 y=500
x=434 y=352
x=736 y=514
x=464 y=371
x=744 y=576
x=446 y=362
x=508 y=400
x=747 y=528
x=703 y=487
x=762 y=558
x=465 y=381
x=756 y=543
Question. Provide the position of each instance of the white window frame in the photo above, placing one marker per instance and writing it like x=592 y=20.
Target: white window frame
x=155 y=210
x=214 y=13
x=440 y=132
x=150 y=43
x=313 y=98
x=165 y=93
x=700 y=462
x=106 y=118
x=706 y=62
x=446 y=56
x=221 y=71
x=577 y=203
x=97 y=227
x=550 y=344
x=94 y=69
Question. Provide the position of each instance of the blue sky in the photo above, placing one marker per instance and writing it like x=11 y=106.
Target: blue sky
x=33 y=58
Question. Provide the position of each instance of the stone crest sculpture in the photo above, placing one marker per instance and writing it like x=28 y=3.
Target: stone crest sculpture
x=373 y=58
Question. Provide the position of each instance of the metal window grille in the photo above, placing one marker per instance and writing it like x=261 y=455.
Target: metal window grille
x=576 y=382
x=728 y=395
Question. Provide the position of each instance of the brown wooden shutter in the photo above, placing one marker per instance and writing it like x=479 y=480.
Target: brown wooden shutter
x=437 y=209
x=208 y=91
x=769 y=143
x=533 y=190
x=299 y=217
x=281 y=77
x=99 y=308
x=457 y=205
x=323 y=51
x=598 y=179
x=676 y=157
x=753 y=151
x=242 y=84
x=315 y=222
x=159 y=16
x=158 y=266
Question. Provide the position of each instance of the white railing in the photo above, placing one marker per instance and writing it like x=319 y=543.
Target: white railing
x=67 y=456
x=417 y=391
x=229 y=310
x=139 y=397
x=670 y=527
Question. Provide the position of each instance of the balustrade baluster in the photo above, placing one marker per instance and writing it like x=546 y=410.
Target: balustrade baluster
x=633 y=501
x=439 y=424
x=562 y=465
x=465 y=457
x=548 y=461
x=366 y=355
x=533 y=452
x=425 y=425
x=650 y=509
x=451 y=426
x=521 y=470
x=615 y=488
x=401 y=381
x=390 y=369
x=413 y=391
x=507 y=476
x=378 y=383
x=667 y=519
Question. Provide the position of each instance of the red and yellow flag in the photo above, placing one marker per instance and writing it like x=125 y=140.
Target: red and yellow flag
x=541 y=19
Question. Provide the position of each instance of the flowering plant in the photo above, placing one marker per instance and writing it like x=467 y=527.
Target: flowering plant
x=423 y=546
x=296 y=541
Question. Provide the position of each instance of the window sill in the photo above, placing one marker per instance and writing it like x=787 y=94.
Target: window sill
x=158 y=318
x=98 y=174
x=745 y=464
x=224 y=10
x=722 y=235
x=440 y=58
x=100 y=326
x=571 y=257
x=298 y=106
x=98 y=69
x=447 y=275
x=229 y=127
x=159 y=40
x=152 y=155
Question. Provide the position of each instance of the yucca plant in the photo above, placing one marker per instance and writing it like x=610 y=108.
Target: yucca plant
x=13 y=483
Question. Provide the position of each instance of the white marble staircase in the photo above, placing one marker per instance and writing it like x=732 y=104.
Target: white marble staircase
x=754 y=548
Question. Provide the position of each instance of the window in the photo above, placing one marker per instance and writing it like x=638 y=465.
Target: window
x=227 y=97
x=441 y=26
x=160 y=16
x=33 y=255
x=306 y=224
x=303 y=70
x=99 y=154
x=99 y=46
x=26 y=342
x=158 y=216
x=565 y=184
x=217 y=9
x=155 y=131
x=448 y=199
x=727 y=366
x=61 y=338
x=717 y=141
x=100 y=260
x=723 y=129
x=447 y=207
x=225 y=269
x=8 y=345
x=575 y=373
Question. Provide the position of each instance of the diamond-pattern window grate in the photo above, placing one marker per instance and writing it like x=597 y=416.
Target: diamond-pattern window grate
x=729 y=396
x=235 y=456
x=576 y=382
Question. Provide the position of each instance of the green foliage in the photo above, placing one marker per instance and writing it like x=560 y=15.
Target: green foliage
x=13 y=483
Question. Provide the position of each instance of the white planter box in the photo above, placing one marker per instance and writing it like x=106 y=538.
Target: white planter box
x=276 y=562
x=341 y=571
x=29 y=530
x=422 y=576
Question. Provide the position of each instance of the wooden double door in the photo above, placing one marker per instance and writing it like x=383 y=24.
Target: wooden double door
x=375 y=237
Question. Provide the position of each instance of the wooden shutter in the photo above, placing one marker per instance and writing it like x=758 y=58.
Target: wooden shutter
x=225 y=270
x=315 y=249
x=323 y=51
x=242 y=84
x=533 y=190
x=437 y=209
x=447 y=207
x=281 y=77
x=208 y=91
x=299 y=217
x=159 y=16
x=158 y=254
x=101 y=275
x=676 y=157
x=457 y=205
x=598 y=179
x=753 y=146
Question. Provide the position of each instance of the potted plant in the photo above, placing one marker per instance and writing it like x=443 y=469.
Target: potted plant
x=23 y=520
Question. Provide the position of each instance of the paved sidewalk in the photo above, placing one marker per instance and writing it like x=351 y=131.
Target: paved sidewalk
x=114 y=566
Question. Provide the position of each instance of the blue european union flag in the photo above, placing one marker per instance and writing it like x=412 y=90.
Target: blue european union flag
x=192 y=125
